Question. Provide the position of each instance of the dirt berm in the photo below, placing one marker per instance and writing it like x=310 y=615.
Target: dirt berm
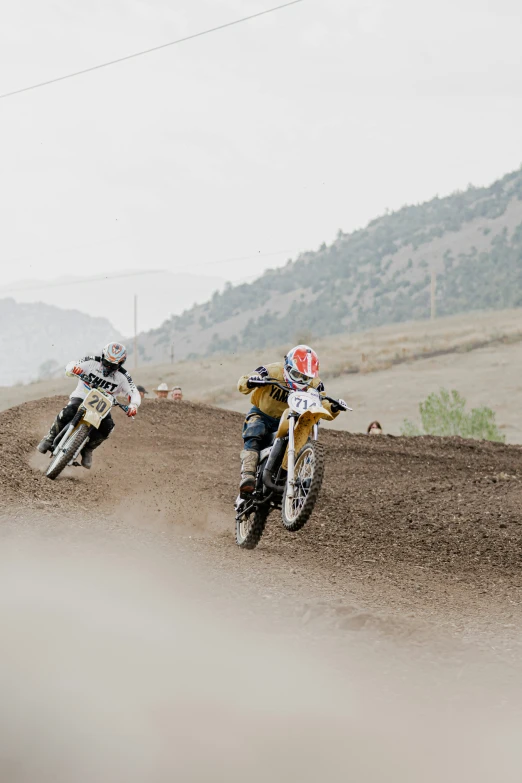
x=419 y=513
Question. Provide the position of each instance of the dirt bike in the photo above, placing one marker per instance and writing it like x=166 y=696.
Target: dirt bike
x=74 y=436
x=290 y=470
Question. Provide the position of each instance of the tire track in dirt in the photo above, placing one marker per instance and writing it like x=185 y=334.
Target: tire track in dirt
x=420 y=527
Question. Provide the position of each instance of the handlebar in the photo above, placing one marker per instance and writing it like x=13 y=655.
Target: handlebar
x=274 y=382
x=84 y=379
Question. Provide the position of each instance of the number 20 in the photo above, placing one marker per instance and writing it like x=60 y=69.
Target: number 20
x=100 y=404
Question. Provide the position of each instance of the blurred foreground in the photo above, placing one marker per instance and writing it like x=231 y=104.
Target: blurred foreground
x=121 y=664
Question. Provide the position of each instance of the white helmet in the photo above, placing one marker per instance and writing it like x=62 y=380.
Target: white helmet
x=113 y=357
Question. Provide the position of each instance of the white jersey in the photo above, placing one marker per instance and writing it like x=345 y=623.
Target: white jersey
x=117 y=382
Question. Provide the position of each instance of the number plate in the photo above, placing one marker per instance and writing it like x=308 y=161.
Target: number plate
x=304 y=401
x=98 y=404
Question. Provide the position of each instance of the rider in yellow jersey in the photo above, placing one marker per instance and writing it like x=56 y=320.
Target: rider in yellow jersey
x=299 y=371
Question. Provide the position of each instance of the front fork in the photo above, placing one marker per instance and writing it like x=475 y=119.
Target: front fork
x=65 y=438
x=291 y=458
x=291 y=455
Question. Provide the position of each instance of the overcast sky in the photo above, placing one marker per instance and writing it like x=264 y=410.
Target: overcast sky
x=264 y=138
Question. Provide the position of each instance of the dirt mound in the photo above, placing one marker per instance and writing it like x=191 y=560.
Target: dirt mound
x=440 y=505
x=173 y=458
x=443 y=503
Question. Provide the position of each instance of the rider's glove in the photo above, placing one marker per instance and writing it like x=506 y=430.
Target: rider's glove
x=340 y=405
x=255 y=380
x=132 y=411
x=77 y=370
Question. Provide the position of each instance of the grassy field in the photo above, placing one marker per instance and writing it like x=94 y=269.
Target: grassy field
x=383 y=373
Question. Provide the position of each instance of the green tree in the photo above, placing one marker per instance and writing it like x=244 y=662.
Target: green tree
x=445 y=414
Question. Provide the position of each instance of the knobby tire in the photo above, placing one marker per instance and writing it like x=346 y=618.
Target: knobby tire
x=61 y=461
x=257 y=526
x=293 y=525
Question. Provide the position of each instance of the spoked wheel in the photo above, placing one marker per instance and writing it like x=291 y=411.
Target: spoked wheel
x=65 y=455
x=308 y=472
x=250 y=527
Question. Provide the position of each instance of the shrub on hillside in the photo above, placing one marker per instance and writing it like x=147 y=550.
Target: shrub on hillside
x=445 y=414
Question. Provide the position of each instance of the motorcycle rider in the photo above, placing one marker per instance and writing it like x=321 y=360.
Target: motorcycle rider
x=299 y=371
x=103 y=372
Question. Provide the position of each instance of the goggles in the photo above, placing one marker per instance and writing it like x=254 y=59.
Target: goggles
x=110 y=365
x=299 y=377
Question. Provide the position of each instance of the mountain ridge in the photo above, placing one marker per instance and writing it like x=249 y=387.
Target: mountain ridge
x=36 y=340
x=377 y=275
x=160 y=294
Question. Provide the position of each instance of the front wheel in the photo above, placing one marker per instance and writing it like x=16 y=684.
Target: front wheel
x=249 y=528
x=68 y=451
x=308 y=474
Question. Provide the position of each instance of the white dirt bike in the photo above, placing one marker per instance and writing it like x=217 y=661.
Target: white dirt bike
x=290 y=471
x=75 y=435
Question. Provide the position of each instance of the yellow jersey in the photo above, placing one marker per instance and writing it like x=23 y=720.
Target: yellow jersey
x=269 y=399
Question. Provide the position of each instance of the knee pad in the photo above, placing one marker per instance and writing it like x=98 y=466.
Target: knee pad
x=67 y=414
x=106 y=428
x=254 y=427
x=252 y=444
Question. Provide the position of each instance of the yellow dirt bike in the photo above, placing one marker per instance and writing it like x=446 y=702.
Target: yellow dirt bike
x=71 y=440
x=291 y=468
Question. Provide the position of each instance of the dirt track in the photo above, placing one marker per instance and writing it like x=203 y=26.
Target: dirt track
x=428 y=523
x=404 y=587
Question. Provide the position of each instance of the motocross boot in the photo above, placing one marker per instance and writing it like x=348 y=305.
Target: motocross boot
x=87 y=451
x=47 y=443
x=249 y=460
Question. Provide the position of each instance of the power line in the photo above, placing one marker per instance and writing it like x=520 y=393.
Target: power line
x=247 y=258
x=94 y=279
x=152 y=49
x=69 y=249
x=97 y=278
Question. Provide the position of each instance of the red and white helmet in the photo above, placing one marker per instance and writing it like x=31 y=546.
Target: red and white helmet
x=113 y=356
x=301 y=367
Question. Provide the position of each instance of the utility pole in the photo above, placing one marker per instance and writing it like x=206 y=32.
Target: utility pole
x=135 y=331
x=433 y=294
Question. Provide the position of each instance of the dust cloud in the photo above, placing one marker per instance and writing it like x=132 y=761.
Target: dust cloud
x=120 y=665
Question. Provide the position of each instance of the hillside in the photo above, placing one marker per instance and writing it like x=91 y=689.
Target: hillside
x=36 y=340
x=371 y=277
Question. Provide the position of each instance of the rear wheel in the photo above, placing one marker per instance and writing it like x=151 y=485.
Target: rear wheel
x=250 y=527
x=308 y=472
x=67 y=451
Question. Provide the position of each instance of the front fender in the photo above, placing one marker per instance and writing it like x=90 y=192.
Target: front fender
x=93 y=418
x=304 y=428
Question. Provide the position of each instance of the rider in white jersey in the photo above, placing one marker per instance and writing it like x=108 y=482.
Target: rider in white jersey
x=103 y=372
x=117 y=382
